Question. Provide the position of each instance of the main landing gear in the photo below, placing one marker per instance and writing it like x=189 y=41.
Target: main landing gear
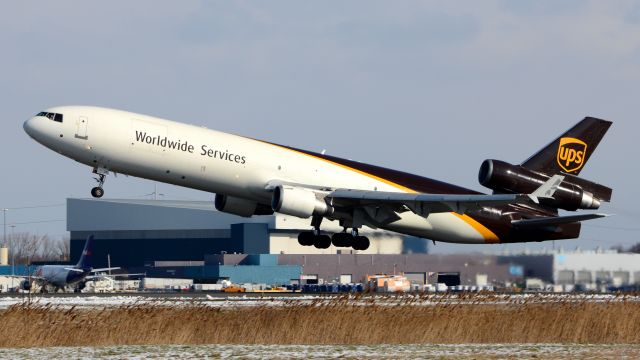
x=343 y=239
x=101 y=173
x=308 y=238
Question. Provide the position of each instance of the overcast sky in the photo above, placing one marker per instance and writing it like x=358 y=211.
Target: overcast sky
x=432 y=88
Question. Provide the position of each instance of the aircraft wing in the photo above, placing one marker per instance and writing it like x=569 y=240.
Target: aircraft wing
x=107 y=276
x=425 y=204
x=127 y=275
x=104 y=269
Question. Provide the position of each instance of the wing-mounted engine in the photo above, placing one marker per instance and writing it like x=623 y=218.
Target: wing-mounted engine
x=299 y=201
x=241 y=207
x=573 y=193
x=25 y=285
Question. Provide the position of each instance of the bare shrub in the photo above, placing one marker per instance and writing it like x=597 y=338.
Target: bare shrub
x=338 y=321
x=29 y=247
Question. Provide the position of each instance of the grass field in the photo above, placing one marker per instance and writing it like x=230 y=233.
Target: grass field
x=467 y=319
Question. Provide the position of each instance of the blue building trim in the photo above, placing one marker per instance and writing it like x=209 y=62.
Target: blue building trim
x=258 y=274
x=20 y=270
x=238 y=274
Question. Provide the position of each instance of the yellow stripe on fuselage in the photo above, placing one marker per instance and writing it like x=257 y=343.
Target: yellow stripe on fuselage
x=489 y=236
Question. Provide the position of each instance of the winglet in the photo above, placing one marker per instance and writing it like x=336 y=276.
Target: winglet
x=547 y=189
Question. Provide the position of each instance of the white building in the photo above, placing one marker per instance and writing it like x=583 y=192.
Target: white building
x=596 y=267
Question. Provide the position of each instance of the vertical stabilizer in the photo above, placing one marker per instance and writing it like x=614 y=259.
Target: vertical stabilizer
x=87 y=254
x=570 y=151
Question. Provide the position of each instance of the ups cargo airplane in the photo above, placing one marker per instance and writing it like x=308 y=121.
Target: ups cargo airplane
x=253 y=177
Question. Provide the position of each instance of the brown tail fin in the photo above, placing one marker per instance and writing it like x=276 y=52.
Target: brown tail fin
x=570 y=151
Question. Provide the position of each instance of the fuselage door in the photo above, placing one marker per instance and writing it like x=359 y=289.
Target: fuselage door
x=81 y=132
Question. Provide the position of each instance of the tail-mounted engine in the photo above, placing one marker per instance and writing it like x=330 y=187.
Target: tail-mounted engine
x=574 y=193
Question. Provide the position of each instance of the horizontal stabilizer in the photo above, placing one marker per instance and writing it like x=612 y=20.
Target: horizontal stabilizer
x=555 y=220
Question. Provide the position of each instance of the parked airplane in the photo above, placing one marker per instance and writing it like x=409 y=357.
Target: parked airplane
x=56 y=277
x=253 y=177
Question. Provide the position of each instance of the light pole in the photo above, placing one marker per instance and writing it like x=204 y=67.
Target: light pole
x=13 y=254
x=4 y=238
x=4 y=222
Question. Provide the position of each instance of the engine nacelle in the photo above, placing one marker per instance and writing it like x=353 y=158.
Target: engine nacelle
x=240 y=206
x=571 y=195
x=300 y=202
x=25 y=285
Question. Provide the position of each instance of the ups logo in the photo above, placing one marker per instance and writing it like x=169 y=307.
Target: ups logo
x=571 y=154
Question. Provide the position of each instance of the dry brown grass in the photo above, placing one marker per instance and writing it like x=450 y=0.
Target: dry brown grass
x=338 y=321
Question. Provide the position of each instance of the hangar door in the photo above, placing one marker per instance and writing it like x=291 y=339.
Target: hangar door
x=416 y=277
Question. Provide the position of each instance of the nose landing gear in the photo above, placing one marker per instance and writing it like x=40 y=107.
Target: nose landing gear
x=98 y=191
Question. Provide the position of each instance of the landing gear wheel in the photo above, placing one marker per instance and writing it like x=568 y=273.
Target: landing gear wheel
x=360 y=243
x=306 y=238
x=342 y=239
x=322 y=241
x=101 y=176
x=97 y=192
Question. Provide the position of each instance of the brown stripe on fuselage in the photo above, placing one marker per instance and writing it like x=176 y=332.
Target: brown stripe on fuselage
x=493 y=230
x=406 y=182
x=411 y=182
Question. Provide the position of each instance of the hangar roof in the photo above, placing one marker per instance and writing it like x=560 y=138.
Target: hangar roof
x=135 y=214
x=127 y=214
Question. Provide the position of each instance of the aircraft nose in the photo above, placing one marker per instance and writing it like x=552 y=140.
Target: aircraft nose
x=29 y=127
x=37 y=128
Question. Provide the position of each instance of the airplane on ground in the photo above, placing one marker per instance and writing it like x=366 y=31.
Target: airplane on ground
x=253 y=177
x=57 y=277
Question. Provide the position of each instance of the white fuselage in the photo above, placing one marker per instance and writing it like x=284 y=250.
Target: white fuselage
x=217 y=162
x=59 y=276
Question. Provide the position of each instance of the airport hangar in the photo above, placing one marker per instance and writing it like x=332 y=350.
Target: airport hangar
x=191 y=239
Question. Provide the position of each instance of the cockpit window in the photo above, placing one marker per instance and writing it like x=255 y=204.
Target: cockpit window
x=51 y=116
